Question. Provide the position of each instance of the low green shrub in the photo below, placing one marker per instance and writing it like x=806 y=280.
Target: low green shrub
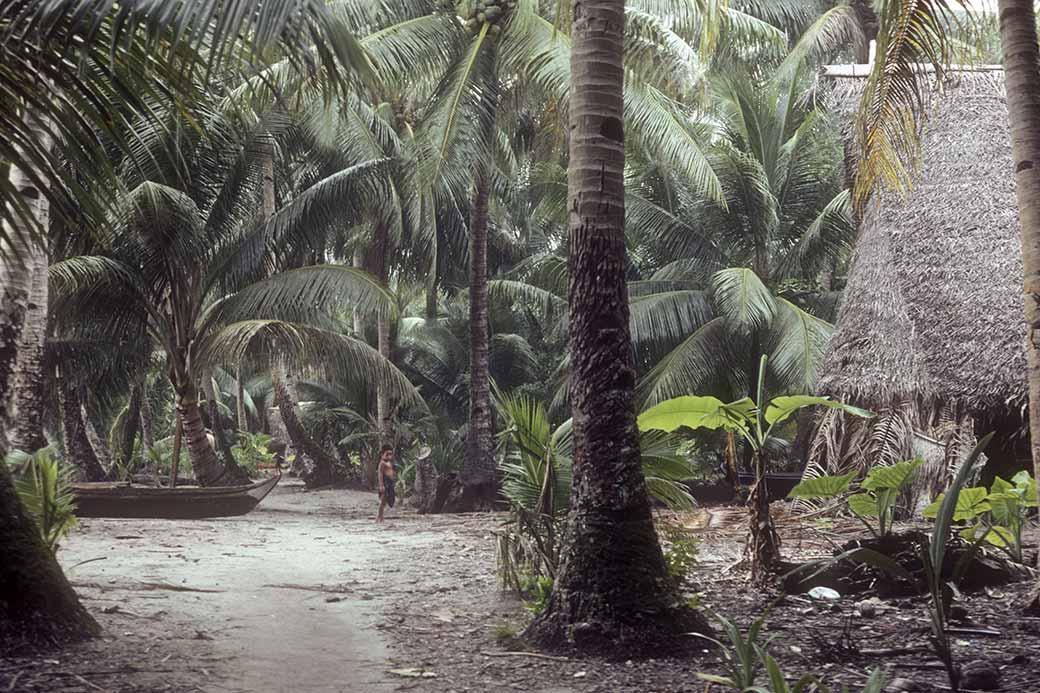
x=252 y=451
x=874 y=503
x=997 y=515
x=680 y=551
x=45 y=489
x=746 y=659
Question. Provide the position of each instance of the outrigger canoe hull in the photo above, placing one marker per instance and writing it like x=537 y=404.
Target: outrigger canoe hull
x=106 y=499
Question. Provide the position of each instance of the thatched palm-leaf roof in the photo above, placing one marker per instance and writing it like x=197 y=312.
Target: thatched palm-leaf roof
x=933 y=309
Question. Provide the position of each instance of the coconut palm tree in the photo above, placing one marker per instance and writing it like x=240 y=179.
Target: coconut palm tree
x=187 y=263
x=60 y=87
x=612 y=578
x=483 y=65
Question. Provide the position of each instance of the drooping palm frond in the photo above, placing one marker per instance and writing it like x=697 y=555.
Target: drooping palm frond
x=703 y=362
x=306 y=294
x=339 y=357
x=665 y=313
x=914 y=39
x=829 y=237
x=798 y=342
x=665 y=129
x=75 y=65
x=665 y=470
x=836 y=29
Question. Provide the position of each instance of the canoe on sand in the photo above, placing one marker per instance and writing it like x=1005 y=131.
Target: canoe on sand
x=115 y=499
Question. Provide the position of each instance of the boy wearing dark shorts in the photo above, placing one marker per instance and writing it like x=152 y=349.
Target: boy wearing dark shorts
x=386 y=480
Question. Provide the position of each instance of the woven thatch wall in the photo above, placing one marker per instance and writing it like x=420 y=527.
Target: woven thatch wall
x=931 y=330
x=933 y=304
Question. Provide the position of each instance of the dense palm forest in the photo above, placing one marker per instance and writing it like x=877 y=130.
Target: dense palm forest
x=245 y=238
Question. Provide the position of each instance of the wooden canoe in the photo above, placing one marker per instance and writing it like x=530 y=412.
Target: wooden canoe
x=106 y=499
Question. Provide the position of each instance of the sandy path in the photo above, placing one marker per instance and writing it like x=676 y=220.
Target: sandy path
x=295 y=599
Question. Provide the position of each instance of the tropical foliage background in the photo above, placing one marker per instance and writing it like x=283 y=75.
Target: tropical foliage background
x=280 y=241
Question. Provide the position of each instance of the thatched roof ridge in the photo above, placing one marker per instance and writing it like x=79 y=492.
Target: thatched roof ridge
x=933 y=304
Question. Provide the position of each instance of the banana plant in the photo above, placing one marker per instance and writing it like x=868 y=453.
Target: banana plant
x=755 y=423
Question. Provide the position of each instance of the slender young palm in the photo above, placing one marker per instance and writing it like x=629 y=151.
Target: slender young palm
x=612 y=579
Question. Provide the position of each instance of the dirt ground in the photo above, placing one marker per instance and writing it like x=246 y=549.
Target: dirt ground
x=306 y=593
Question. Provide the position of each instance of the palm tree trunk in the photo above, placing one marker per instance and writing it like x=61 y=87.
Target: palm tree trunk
x=131 y=424
x=241 y=414
x=204 y=462
x=37 y=604
x=1018 y=39
x=175 y=452
x=97 y=441
x=319 y=466
x=235 y=474
x=431 y=281
x=378 y=267
x=478 y=468
x=147 y=435
x=359 y=322
x=612 y=589
x=17 y=266
x=29 y=402
x=78 y=449
x=869 y=23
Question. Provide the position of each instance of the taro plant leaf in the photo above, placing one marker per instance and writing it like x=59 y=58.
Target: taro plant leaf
x=1005 y=508
x=998 y=536
x=863 y=504
x=1000 y=486
x=1024 y=482
x=971 y=502
x=781 y=408
x=822 y=487
x=893 y=476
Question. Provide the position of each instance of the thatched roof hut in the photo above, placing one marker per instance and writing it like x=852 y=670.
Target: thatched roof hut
x=931 y=330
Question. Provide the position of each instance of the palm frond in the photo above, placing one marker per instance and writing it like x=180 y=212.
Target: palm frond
x=798 y=344
x=913 y=35
x=303 y=295
x=337 y=357
x=743 y=299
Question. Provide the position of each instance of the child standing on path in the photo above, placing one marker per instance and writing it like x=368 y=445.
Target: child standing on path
x=386 y=480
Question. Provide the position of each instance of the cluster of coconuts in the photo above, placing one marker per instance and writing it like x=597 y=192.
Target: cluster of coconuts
x=476 y=13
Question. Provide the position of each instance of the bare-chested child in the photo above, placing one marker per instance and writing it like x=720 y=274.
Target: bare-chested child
x=386 y=480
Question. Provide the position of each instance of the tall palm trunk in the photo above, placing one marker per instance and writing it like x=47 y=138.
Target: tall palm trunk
x=478 y=469
x=321 y=469
x=36 y=601
x=612 y=588
x=1018 y=40
x=204 y=461
x=147 y=435
x=131 y=424
x=78 y=449
x=19 y=263
x=29 y=400
x=359 y=321
x=241 y=416
x=378 y=267
x=431 y=281
x=235 y=474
